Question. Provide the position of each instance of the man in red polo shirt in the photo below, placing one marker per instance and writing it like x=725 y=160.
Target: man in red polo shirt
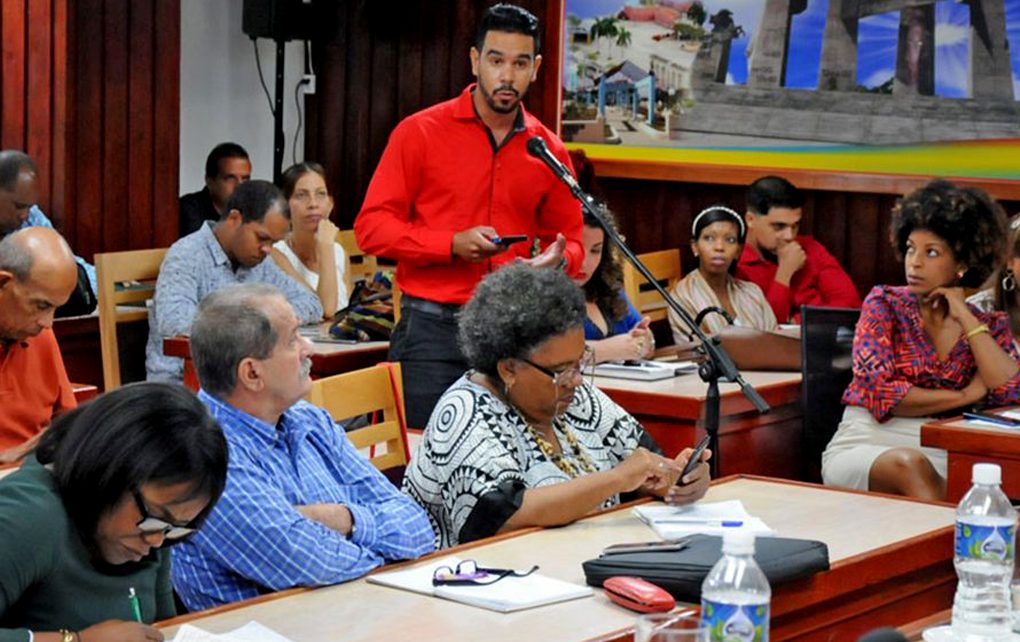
x=791 y=270
x=37 y=275
x=452 y=178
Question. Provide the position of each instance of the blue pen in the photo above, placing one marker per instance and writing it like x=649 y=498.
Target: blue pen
x=694 y=521
x=1006 y=422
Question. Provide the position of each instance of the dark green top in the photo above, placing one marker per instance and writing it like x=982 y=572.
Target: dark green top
x=48 y=578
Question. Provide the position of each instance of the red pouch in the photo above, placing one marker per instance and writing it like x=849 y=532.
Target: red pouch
x=637 y=594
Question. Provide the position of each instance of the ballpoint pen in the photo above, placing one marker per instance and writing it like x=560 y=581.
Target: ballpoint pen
x=136 y=608
x=695 y=521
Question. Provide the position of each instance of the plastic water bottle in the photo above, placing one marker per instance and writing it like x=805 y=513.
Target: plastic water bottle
x=985 y=536
x=735 y=595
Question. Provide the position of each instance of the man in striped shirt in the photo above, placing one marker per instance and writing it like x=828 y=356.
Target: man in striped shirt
x=302 y=507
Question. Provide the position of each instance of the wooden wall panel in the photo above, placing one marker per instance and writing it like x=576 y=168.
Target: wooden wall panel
x=90 y=89
x=125 y=66
x=386 y=63
x=32 y=86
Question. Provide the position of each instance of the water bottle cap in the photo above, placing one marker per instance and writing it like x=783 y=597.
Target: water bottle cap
x=986 y=474
x=738 y=541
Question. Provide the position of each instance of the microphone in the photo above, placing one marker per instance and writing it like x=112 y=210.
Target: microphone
x=538 y=149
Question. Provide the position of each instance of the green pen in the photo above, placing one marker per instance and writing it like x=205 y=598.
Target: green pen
x=136 y=608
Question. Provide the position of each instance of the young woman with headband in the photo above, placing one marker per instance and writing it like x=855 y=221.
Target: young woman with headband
x=717 y=237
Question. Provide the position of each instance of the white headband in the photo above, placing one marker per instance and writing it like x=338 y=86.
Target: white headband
x=720 y=208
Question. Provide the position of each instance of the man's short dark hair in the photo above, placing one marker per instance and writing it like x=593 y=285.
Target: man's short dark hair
x=137 y=434
x=508 y=18
x=12 y=162
x=220 y=152
x=254 y=199
x=773 y=191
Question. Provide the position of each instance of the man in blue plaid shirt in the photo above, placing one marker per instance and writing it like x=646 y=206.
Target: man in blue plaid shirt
x=302 y=507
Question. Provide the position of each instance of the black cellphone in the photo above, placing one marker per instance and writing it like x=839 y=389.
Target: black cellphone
x=645 y=547
x=695 y=459
x=509 y=239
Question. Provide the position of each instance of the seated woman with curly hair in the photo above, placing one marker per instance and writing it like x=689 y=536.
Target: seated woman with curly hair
x=921 y=350
x=521 y=439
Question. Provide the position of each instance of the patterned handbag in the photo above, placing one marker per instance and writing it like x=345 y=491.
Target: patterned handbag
x=369 y=313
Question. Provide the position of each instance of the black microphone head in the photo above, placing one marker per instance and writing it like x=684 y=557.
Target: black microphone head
x=883 y=635
x=537 y=146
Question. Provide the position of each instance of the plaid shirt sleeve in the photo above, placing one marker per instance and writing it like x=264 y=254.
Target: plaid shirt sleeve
x=257 y=534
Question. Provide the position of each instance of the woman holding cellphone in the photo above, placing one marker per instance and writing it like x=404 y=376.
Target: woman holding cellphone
x=522 y=439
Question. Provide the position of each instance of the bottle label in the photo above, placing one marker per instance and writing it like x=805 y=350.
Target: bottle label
x=985 y=542
x=735 y=622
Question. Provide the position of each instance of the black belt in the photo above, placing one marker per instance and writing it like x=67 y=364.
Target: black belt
x=442 y=310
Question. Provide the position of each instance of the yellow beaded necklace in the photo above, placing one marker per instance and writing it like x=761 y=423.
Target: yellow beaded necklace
x=557 y=458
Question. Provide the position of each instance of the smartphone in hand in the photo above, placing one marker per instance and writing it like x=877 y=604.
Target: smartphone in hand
x=695 y=459
x=508 y=240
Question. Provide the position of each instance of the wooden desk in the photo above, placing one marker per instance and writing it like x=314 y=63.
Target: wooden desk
x=968 y=444
x=327 y=358
x=672 y=411
x=891 y=564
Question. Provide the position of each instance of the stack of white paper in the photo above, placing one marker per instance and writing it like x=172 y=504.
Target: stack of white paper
x=645 y=370
x=250 y=632
x=708 y=518
x=506 y=595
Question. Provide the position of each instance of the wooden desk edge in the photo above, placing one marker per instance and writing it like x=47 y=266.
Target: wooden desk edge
x=622 y=634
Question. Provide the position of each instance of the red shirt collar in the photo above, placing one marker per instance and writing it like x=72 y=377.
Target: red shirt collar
x=464 y=108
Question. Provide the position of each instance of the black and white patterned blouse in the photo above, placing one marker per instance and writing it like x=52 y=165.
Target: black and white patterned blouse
x=477 y=457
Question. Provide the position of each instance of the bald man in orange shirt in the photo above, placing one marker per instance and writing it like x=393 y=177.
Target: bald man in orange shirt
x=37 y=275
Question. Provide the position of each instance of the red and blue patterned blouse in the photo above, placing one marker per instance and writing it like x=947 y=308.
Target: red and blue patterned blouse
x=892 y=353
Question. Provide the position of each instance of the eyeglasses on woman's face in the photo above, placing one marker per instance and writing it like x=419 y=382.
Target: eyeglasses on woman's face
x=571 y=374
x=150 y=525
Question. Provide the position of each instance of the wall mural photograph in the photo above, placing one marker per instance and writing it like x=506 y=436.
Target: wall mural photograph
x=890 y=85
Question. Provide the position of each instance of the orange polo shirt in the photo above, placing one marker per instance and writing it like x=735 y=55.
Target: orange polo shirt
x=33 y=388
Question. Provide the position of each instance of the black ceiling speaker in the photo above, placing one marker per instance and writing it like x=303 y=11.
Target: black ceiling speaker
x=289 y=19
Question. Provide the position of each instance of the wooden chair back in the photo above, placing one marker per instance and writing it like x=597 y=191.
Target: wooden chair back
x=363 y=266
x=665 y=267
x=375 y=391
x=126 y=281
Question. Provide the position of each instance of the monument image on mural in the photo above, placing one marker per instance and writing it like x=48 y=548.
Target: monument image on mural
x=803 y=73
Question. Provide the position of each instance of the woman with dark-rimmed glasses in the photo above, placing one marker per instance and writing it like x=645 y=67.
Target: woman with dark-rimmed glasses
x=84 y=522
x=522 y=439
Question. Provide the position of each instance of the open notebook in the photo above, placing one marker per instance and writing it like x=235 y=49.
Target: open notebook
x=507 y=595
x=250 y=632
x=645 y=370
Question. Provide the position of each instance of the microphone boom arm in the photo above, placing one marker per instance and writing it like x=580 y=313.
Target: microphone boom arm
x=719 y=364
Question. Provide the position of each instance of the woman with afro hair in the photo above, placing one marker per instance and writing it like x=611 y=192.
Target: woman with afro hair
x=920 y=350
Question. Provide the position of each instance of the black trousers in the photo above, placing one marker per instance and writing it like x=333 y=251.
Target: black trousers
x=425 y=343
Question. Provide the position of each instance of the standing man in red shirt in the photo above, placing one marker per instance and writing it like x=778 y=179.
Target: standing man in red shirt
x=37 y=275
x=454 y=177
x=791 y=270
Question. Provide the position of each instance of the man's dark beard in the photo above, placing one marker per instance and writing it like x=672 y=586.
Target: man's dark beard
x=490 y=99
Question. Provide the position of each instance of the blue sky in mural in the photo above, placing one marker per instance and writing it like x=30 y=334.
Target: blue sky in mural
x=876 y=41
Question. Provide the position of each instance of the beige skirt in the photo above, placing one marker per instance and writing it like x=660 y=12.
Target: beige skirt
x=860 y=439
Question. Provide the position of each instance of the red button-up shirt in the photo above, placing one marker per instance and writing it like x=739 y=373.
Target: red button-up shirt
x=820 y=281
x=440 y=174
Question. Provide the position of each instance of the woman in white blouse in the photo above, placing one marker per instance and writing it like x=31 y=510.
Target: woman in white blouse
x=310 y=253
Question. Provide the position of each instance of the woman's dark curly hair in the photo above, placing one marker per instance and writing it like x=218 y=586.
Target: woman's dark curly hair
x=605 y=284
x=515 y=310
x=966 y=218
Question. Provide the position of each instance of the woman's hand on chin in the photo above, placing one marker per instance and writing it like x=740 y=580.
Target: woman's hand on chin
x=952 y=300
